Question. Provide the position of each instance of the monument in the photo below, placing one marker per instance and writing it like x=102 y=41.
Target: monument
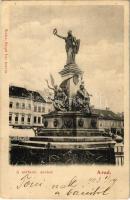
x=71 y=100
x=72 y=125
x=70 y=133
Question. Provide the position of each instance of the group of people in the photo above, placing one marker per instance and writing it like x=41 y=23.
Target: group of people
x=80 y=101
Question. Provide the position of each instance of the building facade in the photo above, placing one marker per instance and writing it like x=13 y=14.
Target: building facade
x=26 y=107
x=109 y=121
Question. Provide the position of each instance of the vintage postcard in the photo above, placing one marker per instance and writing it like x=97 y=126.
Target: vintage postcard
x=64 y=99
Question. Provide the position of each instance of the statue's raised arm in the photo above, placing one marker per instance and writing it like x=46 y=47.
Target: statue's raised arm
x=56 y=33
x=71 y=46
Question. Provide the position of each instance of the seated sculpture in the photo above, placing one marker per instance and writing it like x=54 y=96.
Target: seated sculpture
x=81 y=100
x=60 y=100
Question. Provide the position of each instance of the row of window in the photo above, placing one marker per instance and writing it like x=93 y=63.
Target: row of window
x=39 y=109
x=110 y=124
x=22 y=120
x=28 y=106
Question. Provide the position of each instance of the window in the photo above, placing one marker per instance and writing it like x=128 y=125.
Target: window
x=29 y=119
x=35 y=120
x=17 y=105
x=11 y=104
x=29 y=106
x=35 y=108
x=39 y=120
x=39 y=109
x=22 y=119
x=16 y=119
x=43 y=109
x=23 y=105
x=10 y=118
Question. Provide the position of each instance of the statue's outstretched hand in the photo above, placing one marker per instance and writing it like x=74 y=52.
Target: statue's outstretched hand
x=54 y=31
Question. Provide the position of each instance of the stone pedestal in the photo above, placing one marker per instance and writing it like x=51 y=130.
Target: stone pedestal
x=66 y=138
x=72 y=78
x=69 y=124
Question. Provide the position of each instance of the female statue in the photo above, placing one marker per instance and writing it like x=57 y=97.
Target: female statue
x=72 y=46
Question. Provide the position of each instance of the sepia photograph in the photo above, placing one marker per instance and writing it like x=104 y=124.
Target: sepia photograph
x=66 y=93
x=64 y=99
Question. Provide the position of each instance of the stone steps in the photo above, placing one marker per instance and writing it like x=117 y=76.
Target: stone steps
x=44 y=142
x=70 y=132
x=69 y=139
x=72 y=145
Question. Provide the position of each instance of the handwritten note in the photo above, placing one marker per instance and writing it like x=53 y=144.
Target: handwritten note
x=72 y=187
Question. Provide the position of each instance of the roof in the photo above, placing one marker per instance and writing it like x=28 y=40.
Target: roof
x=35 y=96
x=47 y=95
x=20 y=92
x=107 y=114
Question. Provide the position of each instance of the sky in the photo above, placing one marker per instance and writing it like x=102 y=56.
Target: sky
x=36 y=52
